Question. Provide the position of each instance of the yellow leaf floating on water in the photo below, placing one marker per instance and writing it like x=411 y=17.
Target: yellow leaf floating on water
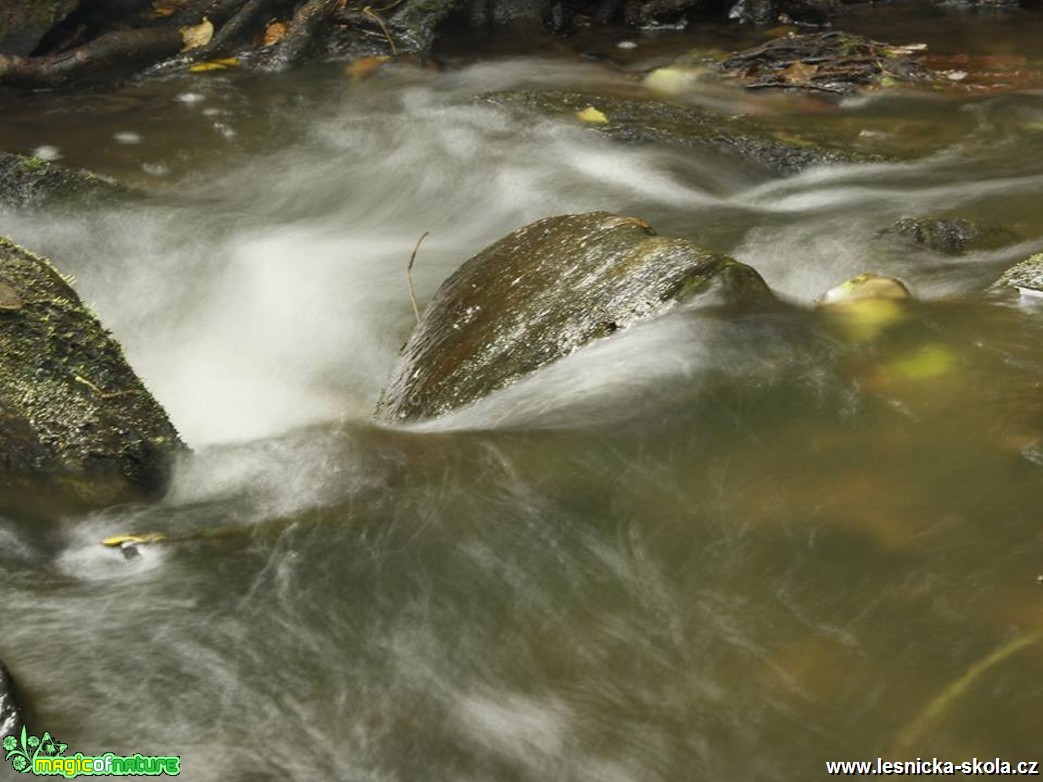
x=366 y=66
x=592 y=115
x=214 y=65
x=197 y=35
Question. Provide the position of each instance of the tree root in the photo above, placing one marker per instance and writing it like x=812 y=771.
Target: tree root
x=120 y=51
x=303 y=29
x=133 y=47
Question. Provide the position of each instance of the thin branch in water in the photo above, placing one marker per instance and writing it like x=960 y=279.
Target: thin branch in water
x=409 y=275
x=943 y=703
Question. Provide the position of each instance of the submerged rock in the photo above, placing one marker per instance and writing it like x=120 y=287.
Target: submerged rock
x=29 y=182
x=542 y=292
x=11 y=715
x=951 y=236
x=77 y=426
x=1026 y=276
x=647 y=120
x=834 y=62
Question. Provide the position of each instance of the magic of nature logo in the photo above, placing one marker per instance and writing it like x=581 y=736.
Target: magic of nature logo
x=45 y=756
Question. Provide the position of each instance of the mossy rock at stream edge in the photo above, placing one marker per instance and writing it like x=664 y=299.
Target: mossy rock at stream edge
x=543 y=291
x=11 y=715
x=28 y=182
x=679 y=125
x=1026 y=275
x=78 y=429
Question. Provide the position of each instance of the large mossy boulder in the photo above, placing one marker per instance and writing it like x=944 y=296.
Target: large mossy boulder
x=77 y=427
x=542 y=292
x=11 y=716
x=28 y=182
x=636 y=119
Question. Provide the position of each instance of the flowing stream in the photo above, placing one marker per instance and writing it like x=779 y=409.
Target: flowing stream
x=722 y=548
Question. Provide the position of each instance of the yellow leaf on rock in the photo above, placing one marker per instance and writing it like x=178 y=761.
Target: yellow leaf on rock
x=197 y=35
x=592 y=115
x=214 y=65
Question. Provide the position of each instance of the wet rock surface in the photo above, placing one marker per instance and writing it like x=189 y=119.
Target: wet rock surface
x=11 y=716
x=77 y=426
x=952 y=236
x=832 y=62
x=23 y=24
x=29 y=182
x=648 y=120
x=1026 y=275
x=541 y=293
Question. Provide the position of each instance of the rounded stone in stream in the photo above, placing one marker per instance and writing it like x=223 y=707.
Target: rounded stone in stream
x=542 y=292
x=1026 y=276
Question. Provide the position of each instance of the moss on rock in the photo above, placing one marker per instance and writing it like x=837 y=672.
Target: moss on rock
x=1026 y=275
x=29 y=182
x=951 y=236
x=541 y=293
x=77 y=426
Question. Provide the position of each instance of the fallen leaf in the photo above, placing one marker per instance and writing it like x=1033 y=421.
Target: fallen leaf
x=197 y=35
x=214 y=65
x=168 y=7
x=366 y=66
x=670 y=80
x=798 y=73
x=275 y=32
x=591 y=115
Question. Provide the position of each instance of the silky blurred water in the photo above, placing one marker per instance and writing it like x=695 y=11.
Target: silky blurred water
x=710 y=547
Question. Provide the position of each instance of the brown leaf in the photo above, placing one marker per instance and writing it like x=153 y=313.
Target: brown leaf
x=798 y=73
x=275 y=32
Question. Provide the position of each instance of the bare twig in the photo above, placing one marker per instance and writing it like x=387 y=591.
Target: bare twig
x=409 y=275
x=387 y=33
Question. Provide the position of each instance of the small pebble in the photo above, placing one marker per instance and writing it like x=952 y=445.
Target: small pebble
x=1039 y=580
x=47 y=152
x=128 y=137
x=626 y=45
x=189 y=97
